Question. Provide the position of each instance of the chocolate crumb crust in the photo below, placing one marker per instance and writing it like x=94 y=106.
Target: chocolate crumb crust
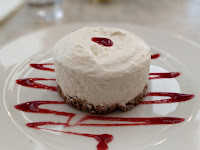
x=102 y=109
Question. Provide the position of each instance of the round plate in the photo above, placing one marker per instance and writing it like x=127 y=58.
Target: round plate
x=176 y=55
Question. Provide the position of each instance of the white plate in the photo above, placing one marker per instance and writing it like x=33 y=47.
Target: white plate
x=177 y=55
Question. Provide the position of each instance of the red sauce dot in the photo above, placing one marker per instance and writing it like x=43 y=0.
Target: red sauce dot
x=103 y=41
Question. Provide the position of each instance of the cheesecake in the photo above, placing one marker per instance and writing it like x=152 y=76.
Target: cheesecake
x=100 y=69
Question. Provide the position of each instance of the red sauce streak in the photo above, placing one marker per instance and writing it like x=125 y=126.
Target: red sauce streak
x=41 y=67
x=103 y=41
x=103 y=139
x=174 y=97
x=33 y=107
x=132 y=121
x=164 y=75
x=154 y=56
x=30 y=82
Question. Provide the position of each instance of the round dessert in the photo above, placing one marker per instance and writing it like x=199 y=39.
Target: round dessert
x=101 y=69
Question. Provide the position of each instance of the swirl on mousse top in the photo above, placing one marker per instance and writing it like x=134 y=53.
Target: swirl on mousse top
x=101 y=69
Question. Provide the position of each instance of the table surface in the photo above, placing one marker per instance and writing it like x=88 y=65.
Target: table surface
x=180 y=17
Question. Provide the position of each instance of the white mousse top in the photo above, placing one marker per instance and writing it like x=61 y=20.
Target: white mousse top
x=78 y=52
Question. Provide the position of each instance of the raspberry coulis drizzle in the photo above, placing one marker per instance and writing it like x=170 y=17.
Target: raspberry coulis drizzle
x=164 y=75
x=30 y=82
x=42 y=66
x=102 y=139
x=33 y=107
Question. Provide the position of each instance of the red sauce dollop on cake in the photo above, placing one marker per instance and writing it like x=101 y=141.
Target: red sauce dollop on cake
x=103 y=41
x=154 y=56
